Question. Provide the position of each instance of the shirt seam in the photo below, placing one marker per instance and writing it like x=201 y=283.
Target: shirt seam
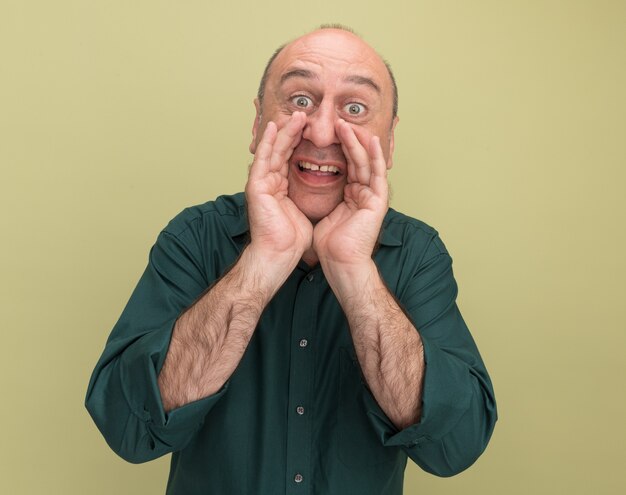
x=209 y=208
x=193 y=221
x=199 y=264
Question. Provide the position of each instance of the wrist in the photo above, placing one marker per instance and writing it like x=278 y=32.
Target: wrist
x=352 y=280
x=268 y=272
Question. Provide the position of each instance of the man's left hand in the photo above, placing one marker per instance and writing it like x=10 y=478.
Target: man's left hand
x=348 y=235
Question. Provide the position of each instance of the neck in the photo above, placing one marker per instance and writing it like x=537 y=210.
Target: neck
x=310 y=257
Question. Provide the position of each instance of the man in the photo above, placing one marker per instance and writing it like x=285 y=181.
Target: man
x=305 y=340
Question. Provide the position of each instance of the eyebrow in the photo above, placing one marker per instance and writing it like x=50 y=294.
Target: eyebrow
x=363 y=80
x=306 y=74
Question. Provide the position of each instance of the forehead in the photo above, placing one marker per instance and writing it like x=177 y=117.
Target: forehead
x=330 y=53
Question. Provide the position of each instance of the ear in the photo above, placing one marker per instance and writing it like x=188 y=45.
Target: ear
x=392 y=142
x=255 y=125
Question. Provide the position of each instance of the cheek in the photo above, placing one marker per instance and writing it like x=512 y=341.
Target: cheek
x=365 y=134
x=280 y=119
x=265 y=119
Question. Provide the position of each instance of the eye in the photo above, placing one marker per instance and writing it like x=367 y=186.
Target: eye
x=302 y=101
x=354 y=108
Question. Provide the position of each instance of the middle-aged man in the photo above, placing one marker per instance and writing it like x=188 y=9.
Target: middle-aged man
x=303 y=338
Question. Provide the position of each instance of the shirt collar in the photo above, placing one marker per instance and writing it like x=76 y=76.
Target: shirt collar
x=387 y=237
x=239 y=226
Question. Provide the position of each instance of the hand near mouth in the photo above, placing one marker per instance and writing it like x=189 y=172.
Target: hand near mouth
x=279 y=231
x=348 y=235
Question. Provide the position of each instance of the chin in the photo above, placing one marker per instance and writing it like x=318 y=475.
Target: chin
x=316 y=208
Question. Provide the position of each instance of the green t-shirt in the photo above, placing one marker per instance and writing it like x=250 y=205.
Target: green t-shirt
x=296 y=416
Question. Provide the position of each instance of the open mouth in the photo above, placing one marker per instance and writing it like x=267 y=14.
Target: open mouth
x=319 y=170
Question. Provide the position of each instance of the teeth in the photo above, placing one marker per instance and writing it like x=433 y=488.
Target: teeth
x=313 y=167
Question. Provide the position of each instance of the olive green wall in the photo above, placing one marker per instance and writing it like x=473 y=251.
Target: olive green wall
x=114 y=115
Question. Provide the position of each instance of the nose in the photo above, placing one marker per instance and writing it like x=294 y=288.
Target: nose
x=320 y=126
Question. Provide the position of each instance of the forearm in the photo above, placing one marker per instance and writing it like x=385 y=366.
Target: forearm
x=388 y=347
x=210 y=338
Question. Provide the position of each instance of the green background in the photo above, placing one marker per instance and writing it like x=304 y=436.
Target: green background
x=116 y=115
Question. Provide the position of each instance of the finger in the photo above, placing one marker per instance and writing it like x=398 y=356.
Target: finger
x=378 y=179
x=261 y=164
x=355 y=153
x=286 y=140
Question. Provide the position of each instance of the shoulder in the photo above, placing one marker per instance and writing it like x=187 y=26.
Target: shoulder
x=418 y=259
x=227 y=211
x=412 y=234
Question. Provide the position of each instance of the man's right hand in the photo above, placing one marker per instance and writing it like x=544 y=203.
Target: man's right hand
x=210 y=337
x=280 y=232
